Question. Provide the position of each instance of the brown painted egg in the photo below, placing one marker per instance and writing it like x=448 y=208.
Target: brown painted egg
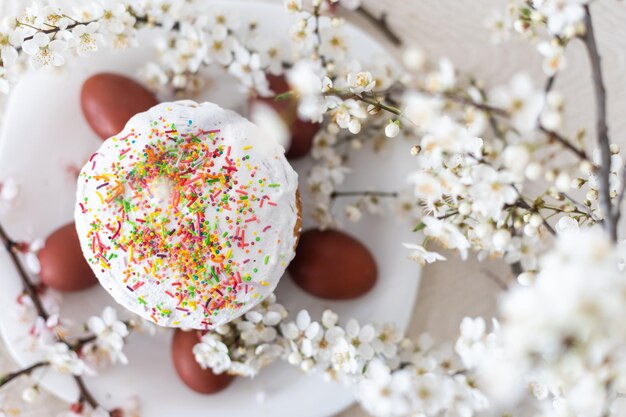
x=203 y=381
x=333 y=265
x=302 y=133
x=63 y=266
x=110 y=100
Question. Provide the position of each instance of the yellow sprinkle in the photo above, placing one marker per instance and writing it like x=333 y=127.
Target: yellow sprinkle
x=230 y=252
x=101 y=198
x=245 y=148
x=264 y=283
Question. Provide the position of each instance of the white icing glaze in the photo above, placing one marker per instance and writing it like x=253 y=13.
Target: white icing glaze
x=165 y=237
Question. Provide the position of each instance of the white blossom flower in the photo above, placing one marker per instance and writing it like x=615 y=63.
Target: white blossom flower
x=254 y=329
x=384 y=393
x=388 y=336
x=421 y=255
x=353 y=213
x=343 y=357
x=293 y=5
x=491 y=190
x=247 y=68
x=334 y=43
x=212 y=353
x=64 y=360
x=348 y=115
x=307 y=86
x=361 y=82
x=552 y=114
x=361 y=338
x=413 y=58
x=523 y=102
x=499 y=26
x=85 y=39
x=554 y=57
x=44 y=52
x=30 y=394
x=221 y=47
x=444 y=78
x=563 y=16
x=392 y=129
x=447 y=234
x=110 y=333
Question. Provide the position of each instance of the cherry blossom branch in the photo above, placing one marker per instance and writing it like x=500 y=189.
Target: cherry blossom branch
x=377 y=104
x=22 y=372
x=602 y=130
x=318 y=35
x=390 y=194
x=31 y=290
x=29 y=287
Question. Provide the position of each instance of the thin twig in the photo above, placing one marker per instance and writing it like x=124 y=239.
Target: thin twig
x=381 y=24
x=620 y=197
x=602 y=129
x=391 y=194
x=523 y=204
x=465 y=100
x=376 y=103
x=581 y=206
x=30 y=288
x=566 y=143
x=85 y=395
x=318 y=35
x=26 y=371
x=496 y=279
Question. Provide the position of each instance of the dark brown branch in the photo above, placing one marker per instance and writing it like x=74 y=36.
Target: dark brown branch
x=85 y=395
x=390 y=194
x=555 y=136
x=465 y=100
x=602 y=129
x=22 y=372
x=496 y=279
x=29 y=287
x=381 y=24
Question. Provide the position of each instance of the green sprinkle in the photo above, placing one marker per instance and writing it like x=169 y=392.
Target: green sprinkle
x=267 y=259
x=273 y=185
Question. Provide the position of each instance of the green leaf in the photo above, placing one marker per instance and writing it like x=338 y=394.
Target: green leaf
x=419 y=227
x=284 y=96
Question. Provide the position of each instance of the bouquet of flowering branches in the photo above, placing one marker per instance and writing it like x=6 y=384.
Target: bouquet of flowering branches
x=497 y=174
